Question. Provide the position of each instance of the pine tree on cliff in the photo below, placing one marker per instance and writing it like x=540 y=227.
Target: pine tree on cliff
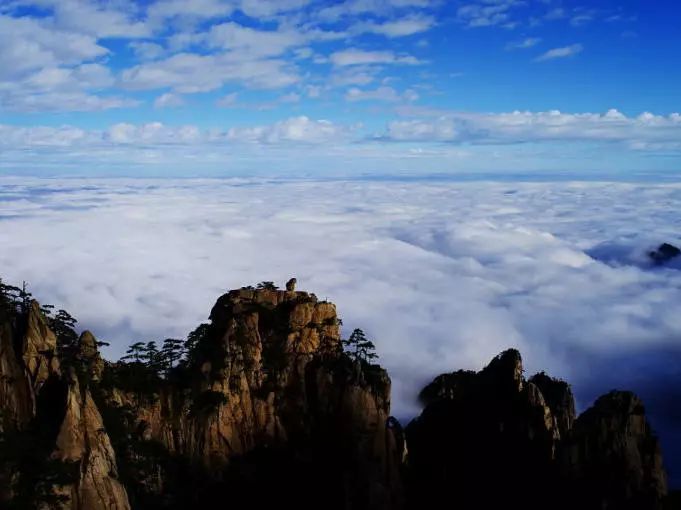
x=63 y=324
x=172 y=352
x=359 y=347
x=267 y=286
x=134 y=353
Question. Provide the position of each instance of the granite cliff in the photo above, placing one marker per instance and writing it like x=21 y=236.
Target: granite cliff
x=266 y=405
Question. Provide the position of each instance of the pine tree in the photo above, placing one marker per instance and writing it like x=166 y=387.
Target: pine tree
x=194 y=339
x=359 y=347
x=63 y=324
x=172 y=352
x=267 y=285
x=135 y=352
x=152 y=357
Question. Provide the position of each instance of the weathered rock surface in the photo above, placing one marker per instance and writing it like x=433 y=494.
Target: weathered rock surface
x=267 y=410
x=55 y=450
x=83 y=441
x=39 y=348
x=488 y=438
x=269 y=381
x=664 y=253
x=559 y=398
x=612 y=459
x=482 y=437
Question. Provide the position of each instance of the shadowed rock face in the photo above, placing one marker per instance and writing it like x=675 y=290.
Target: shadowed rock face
x=489 y=438
x=664 y=253
x=269 y=411
x=269 y=394
x=612 y=458
x=484 y=438
x=55 y=450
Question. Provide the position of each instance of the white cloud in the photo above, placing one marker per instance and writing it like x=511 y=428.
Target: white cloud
x=145 y=50
x=297 y=129
x=43 y=68
x=401 y=27
x=257 y=43
x=439 y=130
x=518 y=127
x=488 y=13
x=161 y=11
x=189 y=73
x=347 y=8
x=153 y=133
x=228 y=101
x=168 y=100
x=528 y=42
x=26 y=45
x=353 y=57
x=441 y=275
x=384 y=93
x=562 y=52
x=111 y=19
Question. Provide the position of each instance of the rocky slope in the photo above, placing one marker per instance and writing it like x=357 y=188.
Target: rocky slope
x=491 y=437
x=266 y=408
x=55 y=450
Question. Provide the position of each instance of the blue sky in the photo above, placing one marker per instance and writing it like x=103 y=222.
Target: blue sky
x=309 y=87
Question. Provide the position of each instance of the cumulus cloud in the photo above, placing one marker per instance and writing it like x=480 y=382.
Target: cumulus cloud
x=401 y=27
x=528 y=42
x=384 y=93
x=189 y=73
x=292 y=130
x=562 y=52
x=519 y=127
x=486 y=13
x=187 y=47
x=168 y=100
x=353 y=57
x=441 y=275
x=463 y=142
x=297 y=129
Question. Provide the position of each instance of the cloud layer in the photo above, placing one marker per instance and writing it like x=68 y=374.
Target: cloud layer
x=442 y=276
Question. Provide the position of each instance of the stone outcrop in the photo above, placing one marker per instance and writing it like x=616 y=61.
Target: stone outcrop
x=267 y=410
x=664 y=253
x=481 y=438
x=55 y=450
x=38 y=349
x=269 y=379
x=560 y=400
x=82 y=440
x=612 y=459
x=484 y=438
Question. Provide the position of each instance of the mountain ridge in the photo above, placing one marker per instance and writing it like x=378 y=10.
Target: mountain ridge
x=269 y=405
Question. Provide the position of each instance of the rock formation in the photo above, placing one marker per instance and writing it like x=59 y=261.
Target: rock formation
x=489 y=437
x=269 y=381
x=266 y=408
x=55 y=450
x=612 y=459
x=664 y=253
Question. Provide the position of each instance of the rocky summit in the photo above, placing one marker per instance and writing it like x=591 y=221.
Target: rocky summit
x=266 y=405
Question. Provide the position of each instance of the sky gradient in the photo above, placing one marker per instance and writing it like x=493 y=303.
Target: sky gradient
x=322 y=88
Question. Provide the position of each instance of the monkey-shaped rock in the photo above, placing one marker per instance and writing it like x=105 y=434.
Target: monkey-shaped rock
x=291 y=285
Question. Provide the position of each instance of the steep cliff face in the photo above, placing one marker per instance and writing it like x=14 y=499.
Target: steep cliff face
x=612 y=458
x=55 y=450
x=482 y=438
x=82 y=441
x=16 y=400
x=488 y=437
x=265 y=409
x=268 y=380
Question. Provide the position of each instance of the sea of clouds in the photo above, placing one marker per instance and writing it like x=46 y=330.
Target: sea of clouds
x=442 y=275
